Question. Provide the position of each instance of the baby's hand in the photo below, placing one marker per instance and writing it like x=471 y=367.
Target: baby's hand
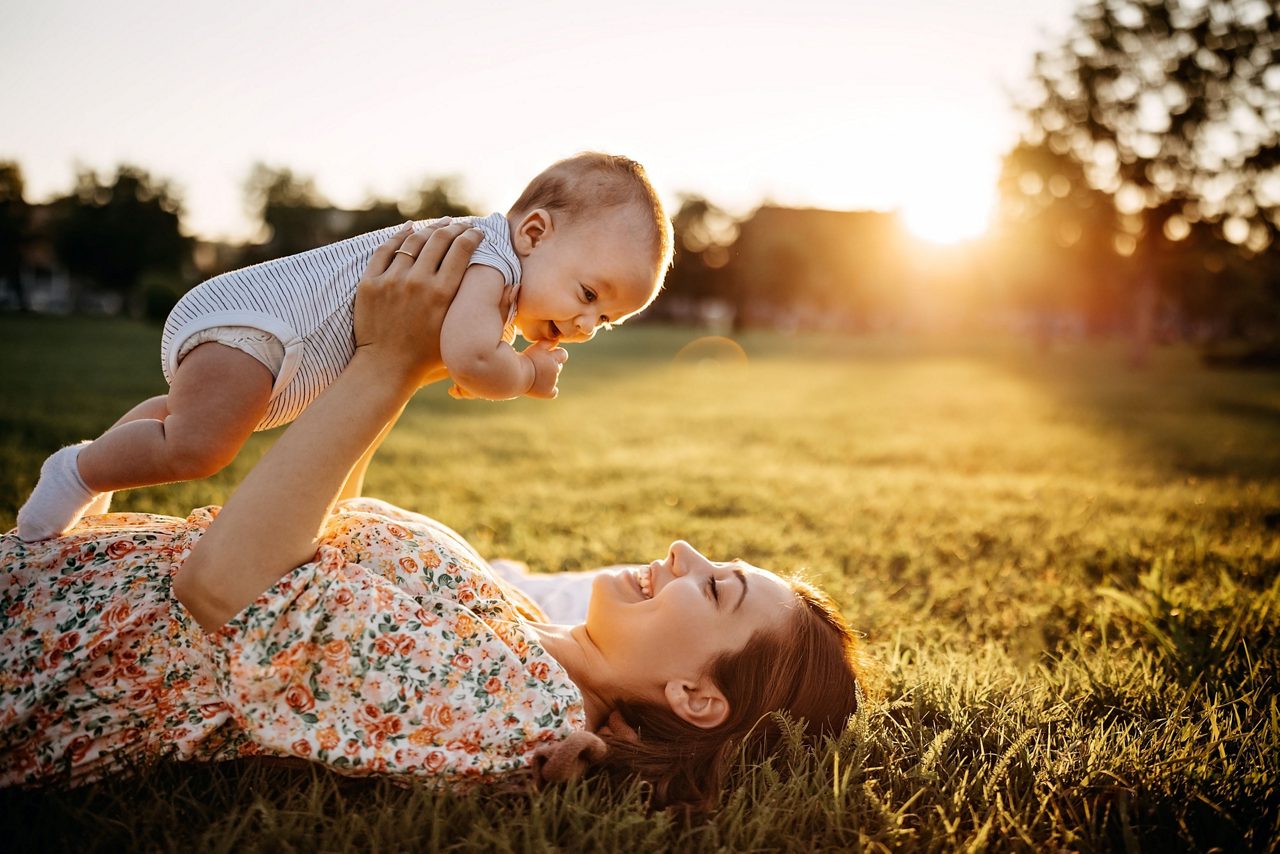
x=457 y=392
x=547 y=360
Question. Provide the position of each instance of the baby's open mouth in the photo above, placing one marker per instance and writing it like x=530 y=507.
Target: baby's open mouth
x=555 y=330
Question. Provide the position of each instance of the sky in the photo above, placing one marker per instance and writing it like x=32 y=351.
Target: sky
x=902 y=105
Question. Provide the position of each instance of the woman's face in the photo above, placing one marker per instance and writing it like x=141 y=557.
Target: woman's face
x=669 y=620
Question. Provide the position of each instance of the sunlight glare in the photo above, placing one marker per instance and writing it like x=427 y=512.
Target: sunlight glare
x=953 y=213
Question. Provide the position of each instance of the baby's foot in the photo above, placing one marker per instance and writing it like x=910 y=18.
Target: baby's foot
x=59 y=499
x=99 y=505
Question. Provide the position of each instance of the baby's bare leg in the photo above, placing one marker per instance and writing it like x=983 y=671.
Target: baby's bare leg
x=217 y=396
x=154 y=407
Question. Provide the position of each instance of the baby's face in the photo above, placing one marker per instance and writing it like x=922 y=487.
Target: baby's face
x=582 y=274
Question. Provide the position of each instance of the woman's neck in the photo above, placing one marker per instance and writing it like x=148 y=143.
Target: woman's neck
x=571 y=646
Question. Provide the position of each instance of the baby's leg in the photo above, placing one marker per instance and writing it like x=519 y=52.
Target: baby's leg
x=154 y=407
x=217 y=396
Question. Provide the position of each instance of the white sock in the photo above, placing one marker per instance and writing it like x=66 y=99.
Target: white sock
x=59 y=499
x=99 y=505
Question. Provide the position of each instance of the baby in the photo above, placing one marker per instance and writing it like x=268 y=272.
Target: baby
x=586 y=245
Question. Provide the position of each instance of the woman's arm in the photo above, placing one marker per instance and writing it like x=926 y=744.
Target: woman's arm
x=354 y=486
x=270 y=524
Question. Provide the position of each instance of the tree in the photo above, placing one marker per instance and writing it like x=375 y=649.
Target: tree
x=111 y=233
x=15 y=225
x=290 y=208
x=437 y=197
x=703 y=233
x=1172 y=110
x=1054 y=250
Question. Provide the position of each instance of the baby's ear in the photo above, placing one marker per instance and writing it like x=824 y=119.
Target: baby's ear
x=533 y=228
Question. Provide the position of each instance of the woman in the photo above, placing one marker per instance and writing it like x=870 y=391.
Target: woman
x=376 y=641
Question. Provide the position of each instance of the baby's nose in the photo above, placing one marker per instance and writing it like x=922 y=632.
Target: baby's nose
x=586 y=326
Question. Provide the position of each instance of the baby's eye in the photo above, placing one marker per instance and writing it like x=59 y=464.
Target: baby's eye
x=588 y=294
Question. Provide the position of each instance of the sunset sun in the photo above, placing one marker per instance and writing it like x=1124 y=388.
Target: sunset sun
x=949 y=215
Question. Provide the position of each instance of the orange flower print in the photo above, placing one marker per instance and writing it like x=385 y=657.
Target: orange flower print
x=328 y=738
x=51 y=658
x=423 y=736
x=79 y=747
x=119 y=549
x=469 y=742
x=438 y=715
x=369 y=657
x=336 y=652
x=299 y=698
x=116 y=616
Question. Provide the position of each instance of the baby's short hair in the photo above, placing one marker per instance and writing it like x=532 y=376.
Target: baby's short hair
x=592 y=181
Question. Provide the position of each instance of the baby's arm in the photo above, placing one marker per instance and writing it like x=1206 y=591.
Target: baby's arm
x=471 y=340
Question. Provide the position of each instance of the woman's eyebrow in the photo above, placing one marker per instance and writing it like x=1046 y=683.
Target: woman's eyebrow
x=742 y=576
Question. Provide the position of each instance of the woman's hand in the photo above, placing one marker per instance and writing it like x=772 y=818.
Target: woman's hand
x=403 y=297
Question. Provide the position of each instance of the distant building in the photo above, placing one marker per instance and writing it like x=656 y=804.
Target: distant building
x=48 y=287
x=810 y=268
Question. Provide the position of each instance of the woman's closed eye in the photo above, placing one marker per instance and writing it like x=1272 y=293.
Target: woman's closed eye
x=715 y=590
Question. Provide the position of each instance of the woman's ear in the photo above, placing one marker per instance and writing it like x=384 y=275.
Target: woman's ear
x=533 y=228
x=701 y=702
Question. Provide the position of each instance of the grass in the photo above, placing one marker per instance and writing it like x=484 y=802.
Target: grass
x=1067 y=574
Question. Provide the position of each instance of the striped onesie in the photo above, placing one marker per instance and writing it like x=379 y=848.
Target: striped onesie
x=306 y=303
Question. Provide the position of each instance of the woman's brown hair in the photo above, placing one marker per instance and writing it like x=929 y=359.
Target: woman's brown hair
x=808 y=670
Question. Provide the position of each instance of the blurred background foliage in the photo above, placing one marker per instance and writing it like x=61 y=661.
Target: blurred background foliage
x=1142 y=199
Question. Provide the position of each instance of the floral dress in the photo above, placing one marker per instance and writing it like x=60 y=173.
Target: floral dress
x=394 y=652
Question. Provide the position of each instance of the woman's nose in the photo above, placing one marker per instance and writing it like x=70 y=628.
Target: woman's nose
x=685 y=558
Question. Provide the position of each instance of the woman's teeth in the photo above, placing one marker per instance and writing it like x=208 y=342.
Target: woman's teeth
x=644 y=575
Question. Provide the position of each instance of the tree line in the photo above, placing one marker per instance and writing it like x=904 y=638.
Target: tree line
x=122 y=232
x=1143 y=196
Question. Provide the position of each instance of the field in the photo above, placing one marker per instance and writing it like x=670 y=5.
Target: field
x=1066 y=571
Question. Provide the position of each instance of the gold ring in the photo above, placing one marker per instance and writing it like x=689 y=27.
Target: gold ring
x=404 y=252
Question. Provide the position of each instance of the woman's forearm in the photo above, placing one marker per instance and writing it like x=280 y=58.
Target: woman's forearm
x=271 y=523
x=354 y=485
